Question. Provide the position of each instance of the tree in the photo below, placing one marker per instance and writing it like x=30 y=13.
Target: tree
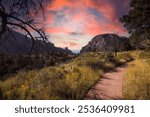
x=20 y=14
x=138 y=23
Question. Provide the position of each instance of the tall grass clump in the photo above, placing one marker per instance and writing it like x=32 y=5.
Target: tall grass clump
x=137 y=81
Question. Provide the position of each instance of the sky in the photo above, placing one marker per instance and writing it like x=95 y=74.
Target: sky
x=73 y=23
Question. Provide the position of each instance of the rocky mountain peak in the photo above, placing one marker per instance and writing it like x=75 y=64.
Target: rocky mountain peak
x=107 y=42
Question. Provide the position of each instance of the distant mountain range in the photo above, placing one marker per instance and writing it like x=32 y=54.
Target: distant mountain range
x=17 y=43
x=107 y=43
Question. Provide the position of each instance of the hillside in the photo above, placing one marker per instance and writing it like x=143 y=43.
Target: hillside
x=136 y=85
x=58 y=74
x=11 y=64
x=17 y=43
x=72 y=80
x=65 y=81
x=107 y=43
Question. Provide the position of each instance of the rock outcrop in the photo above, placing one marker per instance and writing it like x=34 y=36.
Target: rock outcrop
x=107 y=43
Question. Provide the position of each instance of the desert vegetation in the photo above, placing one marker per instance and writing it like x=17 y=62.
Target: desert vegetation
x=64 y=81
x=137 y=81
x=11 y=64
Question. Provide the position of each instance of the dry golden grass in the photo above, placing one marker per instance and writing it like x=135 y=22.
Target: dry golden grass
x=137 y=82
x=65 y=81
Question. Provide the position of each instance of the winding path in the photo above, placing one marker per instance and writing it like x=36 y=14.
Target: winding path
x=109 y=86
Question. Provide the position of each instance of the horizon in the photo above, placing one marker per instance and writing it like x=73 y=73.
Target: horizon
x=78 y=51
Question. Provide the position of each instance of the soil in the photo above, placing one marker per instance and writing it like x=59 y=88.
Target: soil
x=109 y=86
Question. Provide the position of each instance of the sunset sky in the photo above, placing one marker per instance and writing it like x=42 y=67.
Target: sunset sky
x=73 y=23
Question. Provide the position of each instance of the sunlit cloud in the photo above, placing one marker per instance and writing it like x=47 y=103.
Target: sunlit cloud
x=72 y=23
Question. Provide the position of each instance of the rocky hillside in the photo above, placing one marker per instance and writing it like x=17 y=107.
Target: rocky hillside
x=17 y=43
x=107 y=43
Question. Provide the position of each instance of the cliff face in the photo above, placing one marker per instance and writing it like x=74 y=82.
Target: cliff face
x=107 y=43
x=17 y=43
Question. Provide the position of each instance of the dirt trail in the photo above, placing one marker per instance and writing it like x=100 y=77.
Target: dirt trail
x=109 y=86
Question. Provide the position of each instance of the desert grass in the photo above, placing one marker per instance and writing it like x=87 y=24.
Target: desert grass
x=71 y=80
x=136 y=85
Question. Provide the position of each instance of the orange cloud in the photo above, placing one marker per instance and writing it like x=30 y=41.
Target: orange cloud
x=57 y=30
x=102 y=6
x=79 y=19
x=69 y=44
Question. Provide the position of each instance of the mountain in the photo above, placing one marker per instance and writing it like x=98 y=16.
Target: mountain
x=17 y=43
x=107 y=43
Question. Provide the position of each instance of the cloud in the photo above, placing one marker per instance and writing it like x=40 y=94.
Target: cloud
x=70 y=44
x=76 y=33
x=75 y=42
x=84 y=17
